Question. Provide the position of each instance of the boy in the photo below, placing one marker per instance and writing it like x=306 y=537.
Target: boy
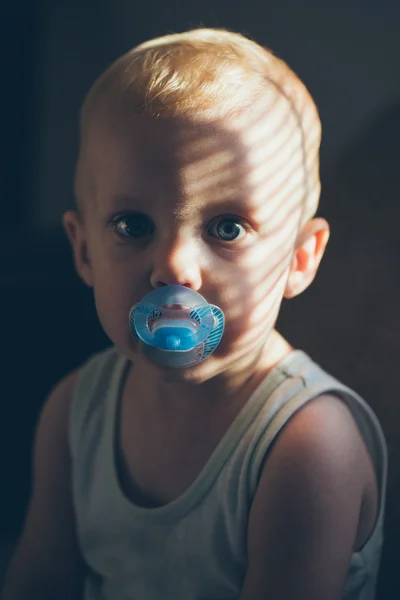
x=253 y=474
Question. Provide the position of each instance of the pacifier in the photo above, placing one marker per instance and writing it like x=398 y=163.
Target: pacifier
x=176 y=327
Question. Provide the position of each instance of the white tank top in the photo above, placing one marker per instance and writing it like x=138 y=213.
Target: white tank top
x=195 y=547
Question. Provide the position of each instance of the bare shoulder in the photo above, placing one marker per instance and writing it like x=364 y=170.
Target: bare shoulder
x=56 y=407
x=48 y=551
x=51 y=451
x=324 y=431
x=322 y=439
x=51 y=438
x=305 y=517
x=54 y=416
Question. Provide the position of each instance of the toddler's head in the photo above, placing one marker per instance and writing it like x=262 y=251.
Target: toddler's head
x=199 y=166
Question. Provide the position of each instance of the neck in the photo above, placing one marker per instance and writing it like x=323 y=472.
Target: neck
x=202 y=389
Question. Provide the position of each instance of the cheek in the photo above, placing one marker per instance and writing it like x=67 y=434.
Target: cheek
x=116 y=290
x=113 y=312
x=251 y=298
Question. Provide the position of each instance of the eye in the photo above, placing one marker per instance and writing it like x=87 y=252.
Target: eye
x=133 y=226
x=227 y=229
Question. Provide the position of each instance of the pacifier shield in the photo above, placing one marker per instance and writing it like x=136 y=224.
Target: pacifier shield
x=175 y=326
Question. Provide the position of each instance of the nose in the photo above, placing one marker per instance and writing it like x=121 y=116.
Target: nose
x=177 y=263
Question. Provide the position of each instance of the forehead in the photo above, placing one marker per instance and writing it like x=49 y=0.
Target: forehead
x=250 y=158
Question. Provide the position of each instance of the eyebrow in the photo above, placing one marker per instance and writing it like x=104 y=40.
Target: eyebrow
x=236 y=204
x=122 y=200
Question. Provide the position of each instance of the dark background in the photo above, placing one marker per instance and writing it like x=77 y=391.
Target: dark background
x=348 y=54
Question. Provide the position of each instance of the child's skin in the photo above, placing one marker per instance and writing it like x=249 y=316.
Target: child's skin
x=317 y=497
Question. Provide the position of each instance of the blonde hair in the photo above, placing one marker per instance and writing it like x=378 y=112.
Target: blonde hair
x=209 y=72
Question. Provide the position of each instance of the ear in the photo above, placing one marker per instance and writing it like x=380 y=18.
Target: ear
x=310 y=248
x=77 y=235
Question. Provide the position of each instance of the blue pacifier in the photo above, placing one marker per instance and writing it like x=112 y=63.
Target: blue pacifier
x=176 y=327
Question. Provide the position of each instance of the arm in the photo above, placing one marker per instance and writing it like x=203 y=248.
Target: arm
x=304 y=519
x=47 y=562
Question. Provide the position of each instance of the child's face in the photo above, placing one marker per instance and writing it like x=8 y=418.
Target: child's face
x=178 y=202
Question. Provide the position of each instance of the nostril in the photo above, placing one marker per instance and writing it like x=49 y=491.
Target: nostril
x=160 y=284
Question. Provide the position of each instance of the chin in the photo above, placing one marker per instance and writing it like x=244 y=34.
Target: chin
x=192 y=375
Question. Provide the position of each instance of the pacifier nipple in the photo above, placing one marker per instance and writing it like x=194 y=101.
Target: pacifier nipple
x=172 y=342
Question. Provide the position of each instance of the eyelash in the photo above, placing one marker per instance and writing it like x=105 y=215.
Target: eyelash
x=123 y=218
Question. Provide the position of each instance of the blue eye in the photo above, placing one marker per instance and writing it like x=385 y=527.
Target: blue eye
x=227 y=229
x=133 y=226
